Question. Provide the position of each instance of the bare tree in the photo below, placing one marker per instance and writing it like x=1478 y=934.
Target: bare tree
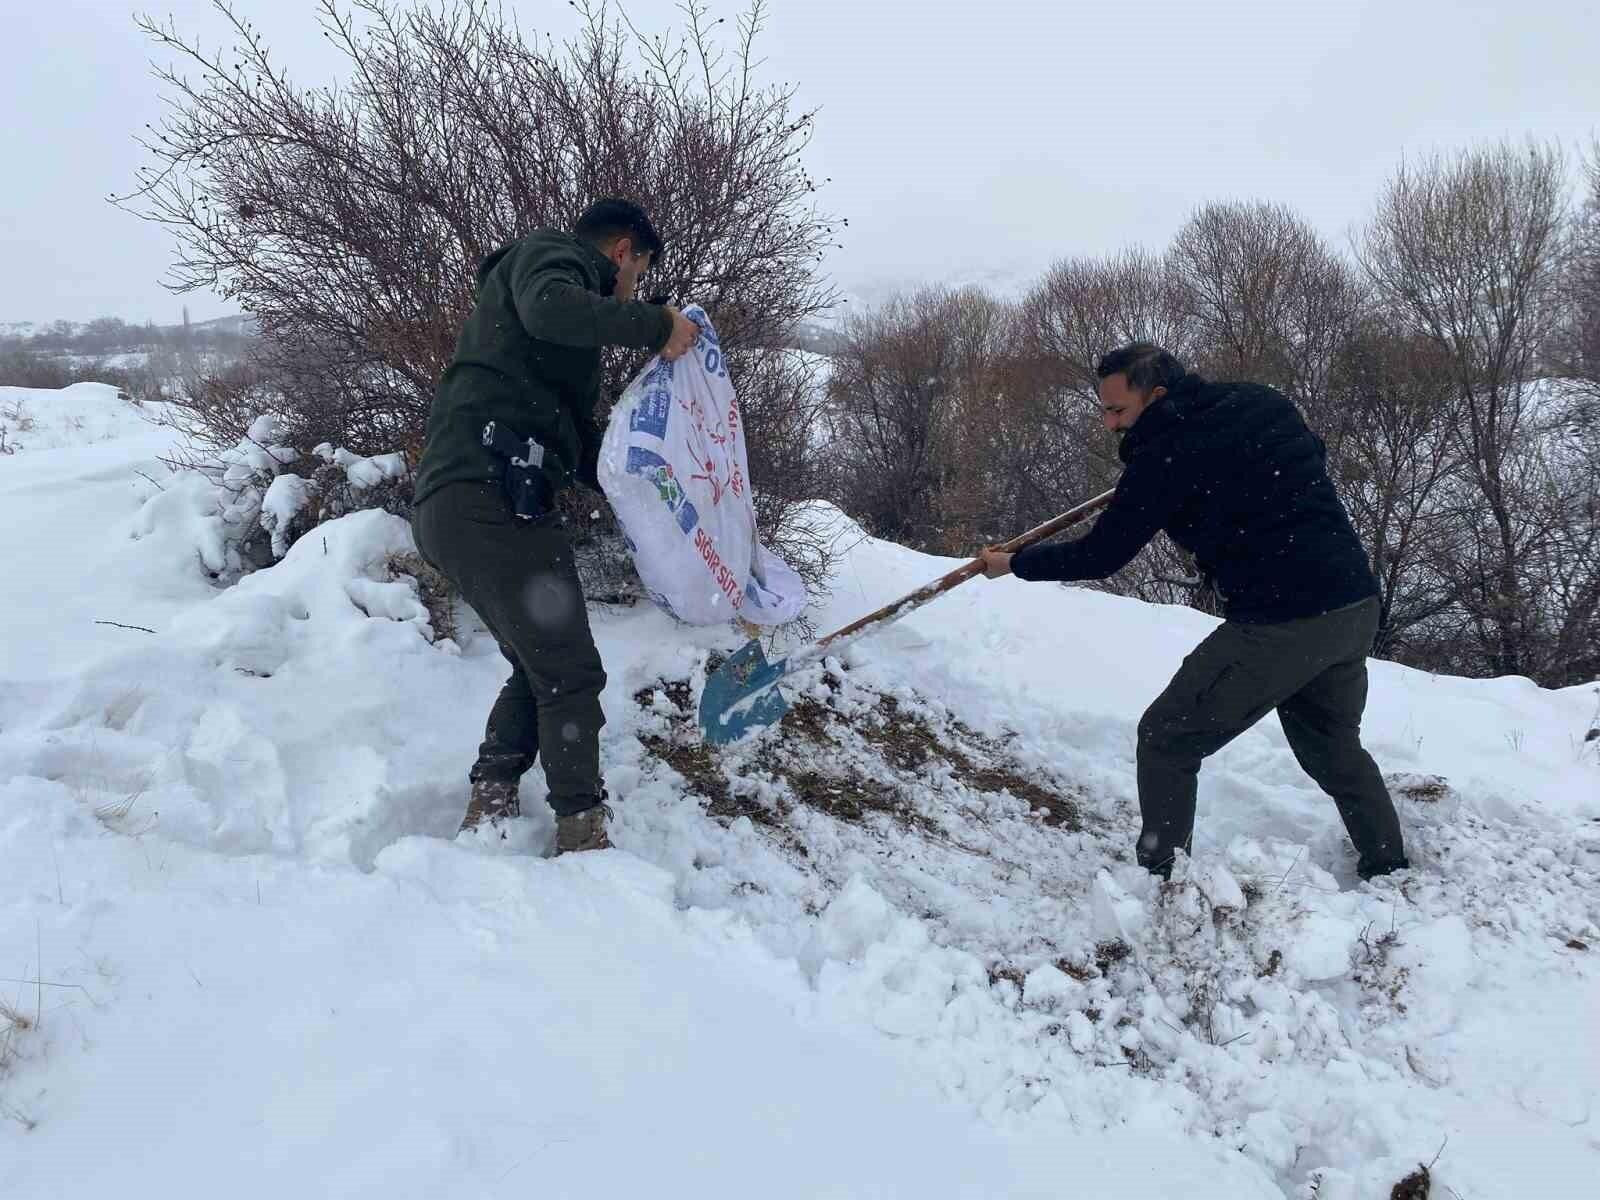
x=1084 y=307
x=1567 y=563
x=1081 y=309
x=1269 y=300
x=1392 y=466
x=1575 y=348
x=1465 y=250
x=905 y=378
x=991 y=478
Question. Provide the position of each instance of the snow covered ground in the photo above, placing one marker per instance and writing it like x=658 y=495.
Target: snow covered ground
x=896 y=947
x=85 y=413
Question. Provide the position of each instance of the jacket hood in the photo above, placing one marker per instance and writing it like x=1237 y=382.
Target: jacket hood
x=544 y=241
x=491 y=262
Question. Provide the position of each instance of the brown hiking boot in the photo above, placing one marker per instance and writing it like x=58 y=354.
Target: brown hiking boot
x=583 y=831
x=494 y=801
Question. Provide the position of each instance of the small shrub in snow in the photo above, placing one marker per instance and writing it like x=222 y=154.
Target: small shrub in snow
x=433 y=589
x=17 y=417
x=283 y=506
x=13 y=1021
x=1416 y=1186
x=264 y=509
x=243 y=474
x=14 y=419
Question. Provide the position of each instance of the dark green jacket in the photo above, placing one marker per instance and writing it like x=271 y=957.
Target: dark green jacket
x=529 y=358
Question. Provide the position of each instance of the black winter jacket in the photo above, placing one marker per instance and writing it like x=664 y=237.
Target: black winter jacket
x=1235 y=477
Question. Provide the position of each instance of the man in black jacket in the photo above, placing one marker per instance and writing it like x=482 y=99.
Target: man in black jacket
x=1234 y=476
x=512 y=425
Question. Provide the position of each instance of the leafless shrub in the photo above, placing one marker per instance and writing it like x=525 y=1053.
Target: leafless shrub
x=1084 y=307
x=1268 y=299
x=907 y=397
x=1574 y=350
x=1081 y=309
x=26 y=368
x=217 y=404
x=16 y=416
x=433 y=590
x=1391 y=462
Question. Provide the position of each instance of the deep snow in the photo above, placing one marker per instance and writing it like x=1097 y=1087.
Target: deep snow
x=254 y=957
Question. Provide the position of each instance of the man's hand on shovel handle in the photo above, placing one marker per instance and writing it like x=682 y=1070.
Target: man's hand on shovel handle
x=996 y=563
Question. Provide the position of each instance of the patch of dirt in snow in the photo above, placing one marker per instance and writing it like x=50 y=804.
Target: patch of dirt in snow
x=855 y=754
x=1422 y=788
x=1416 y=1186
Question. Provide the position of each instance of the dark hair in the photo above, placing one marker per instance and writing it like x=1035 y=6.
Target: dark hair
x=1146 y=365
x=614 y=217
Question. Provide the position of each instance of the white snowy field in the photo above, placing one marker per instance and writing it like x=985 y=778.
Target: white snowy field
x=243 y=951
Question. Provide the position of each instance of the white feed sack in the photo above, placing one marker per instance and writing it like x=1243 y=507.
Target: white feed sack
x=674 y=467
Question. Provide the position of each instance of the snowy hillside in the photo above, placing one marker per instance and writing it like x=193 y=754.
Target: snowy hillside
x=85 y=413
x=896 y=947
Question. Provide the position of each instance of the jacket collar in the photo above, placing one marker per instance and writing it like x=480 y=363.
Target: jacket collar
x=1161 y=418
x=604 y=269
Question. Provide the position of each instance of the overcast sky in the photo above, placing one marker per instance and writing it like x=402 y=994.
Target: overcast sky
x=964 y=140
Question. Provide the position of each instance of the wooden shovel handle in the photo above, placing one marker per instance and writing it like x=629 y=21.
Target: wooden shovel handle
x=931 y=591
x=1056 y=524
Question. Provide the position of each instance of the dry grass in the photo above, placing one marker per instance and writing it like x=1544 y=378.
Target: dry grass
x=17 y=417
x=1428 y=789
x=13 y=1021
x=1108 y=954
x=1377 y=974
x=14 y=418
x=910 y=743
x=1416 y=1186
x=118 y=816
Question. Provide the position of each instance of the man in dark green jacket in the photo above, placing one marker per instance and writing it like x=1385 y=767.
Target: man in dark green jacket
x=1234 y=476
x=512 y=426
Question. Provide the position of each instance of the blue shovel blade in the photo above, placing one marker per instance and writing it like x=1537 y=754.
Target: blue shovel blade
x=742 y=694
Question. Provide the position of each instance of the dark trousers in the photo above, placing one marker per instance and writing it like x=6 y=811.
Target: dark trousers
x=520 y=578
x=1314 y=672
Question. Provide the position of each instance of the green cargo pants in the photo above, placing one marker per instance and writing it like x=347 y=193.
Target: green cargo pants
x=1314 y=672
x=520 y=578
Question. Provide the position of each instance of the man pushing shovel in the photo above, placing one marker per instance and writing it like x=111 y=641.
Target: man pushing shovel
x=1235 y=477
